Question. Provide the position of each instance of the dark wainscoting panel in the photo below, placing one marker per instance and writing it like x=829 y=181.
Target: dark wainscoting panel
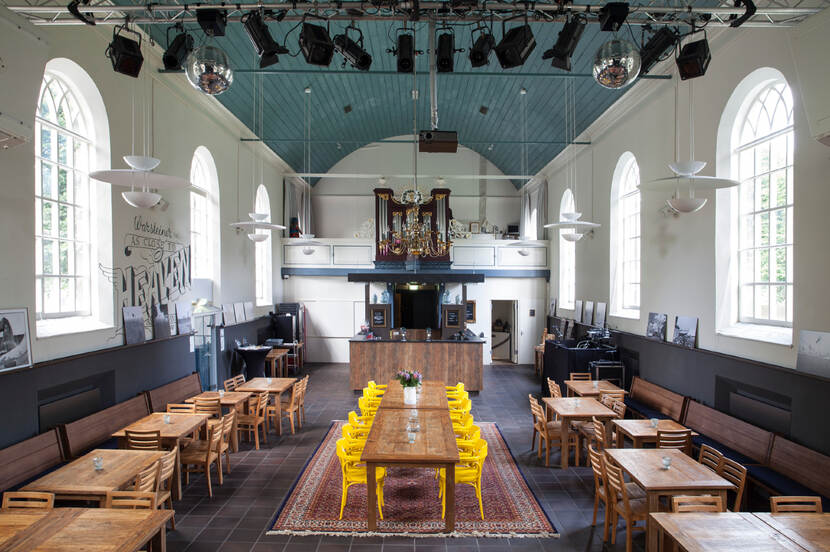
x=229 y=363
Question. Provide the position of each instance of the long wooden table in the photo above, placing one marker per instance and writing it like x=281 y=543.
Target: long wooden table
x=79 y=480
x=582 y=388
x=685 y=477
x=87 y=529
x=273 y=386
x=433 y=395
x=571 y=409
x=641 y=431
x=230 y=399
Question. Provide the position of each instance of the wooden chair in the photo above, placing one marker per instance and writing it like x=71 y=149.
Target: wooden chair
x=228 y=421
x=597 y=461
x=130 y=500
x=735 y=473
x=251 y=422
x=680 y=439
x=703 y=503
x=27 y=500
x=554 y=389
x=808 y=504
x=202 y=458
x=230 y=384
x=581 y=376
x=164 y=483
x=631 y=509
x=302 y=400
x=146 y=480
x=181 y=408
x=211 y=407
x=288 y=408
x=616 y=395
x=710 y=457
x=550 y=432
x=142 y=440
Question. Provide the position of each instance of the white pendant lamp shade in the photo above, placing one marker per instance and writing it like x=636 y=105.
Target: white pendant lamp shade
x=686 y=205
x=132 y=178
x=571 y=220
x=258 y=222
x=693 y=182
x=141 y=162
x=254 y=237
x=687 y=168
x=572 y=236
x=141 y=199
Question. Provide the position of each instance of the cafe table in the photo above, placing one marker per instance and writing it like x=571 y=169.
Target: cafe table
x=87 y=529
x=685 y=476
x=277 y=361
x=808 y=530
x=229 y=399
x=273 y=386
x=180 y=426
x=571 y=409
x=79 y=480
x=433 y=395
x=641 y=431
x=583 y=388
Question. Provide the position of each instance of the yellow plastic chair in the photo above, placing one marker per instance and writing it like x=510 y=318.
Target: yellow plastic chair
x=367 y=407
x=354 y=473
x=467 y=472
x=454 y=391
x=380 y=389
x=463 y=406
x=360 y=422
x=463 y=426
x=355 y=439
x=373 y=394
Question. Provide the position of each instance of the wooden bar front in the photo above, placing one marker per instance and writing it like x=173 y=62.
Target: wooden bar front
x=446 y=361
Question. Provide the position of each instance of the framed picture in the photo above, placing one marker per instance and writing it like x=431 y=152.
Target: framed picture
x=378 y=318
x=599 y=314
x=133 y=325
x=15 y=343
x=656 y=326
x=588 y=313
x=475 y=228
x=578 y=310
x=470 y=314
x=183 y=312
x=161 y=324
x=685 y=331
x=227 y=314
x=239 y=312
x=248 y=307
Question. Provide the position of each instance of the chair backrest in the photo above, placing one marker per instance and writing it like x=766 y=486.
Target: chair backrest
x=261 y=404
x=709 y=457
x=581 y=376
x=174 y=392
x=167 y=467
x=554 y=389
x=84 y=434
x=142 y=440
x=597 y=466
x=230 y=384
x=616 y=485
x=806 y=504
x=26 y=459
x=616 y=395
x=131 y=500
x=181 y=408
x=735 y=473
x=608 y=401
x=212 y=407
x=145 y=481
x=599 y=433
x=359 y=421
x=675 y=439
x=534 y=409
x=703 y=503
x=27 y=500
x=619 y=408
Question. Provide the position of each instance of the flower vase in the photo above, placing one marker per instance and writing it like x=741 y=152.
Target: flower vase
x=410 y=395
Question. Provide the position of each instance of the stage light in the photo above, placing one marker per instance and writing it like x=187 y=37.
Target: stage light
x=694 y=59
x=88 y=19
x=316 y=45
x=566 y=43
x=266 y=47
x=482 y=46
x=515 y=47
x=445 y=54
x=177 y=51
x=353 y=51
x=612 y=16
x=212 y=22
x=656 y=47
x=125 y=53
x=405 y=53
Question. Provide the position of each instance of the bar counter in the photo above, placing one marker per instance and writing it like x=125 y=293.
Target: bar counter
x=446 y=360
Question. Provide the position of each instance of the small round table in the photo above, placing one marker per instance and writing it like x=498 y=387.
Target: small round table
x=254 y=357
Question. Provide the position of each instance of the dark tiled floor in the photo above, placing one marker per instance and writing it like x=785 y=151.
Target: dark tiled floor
x=239 y=514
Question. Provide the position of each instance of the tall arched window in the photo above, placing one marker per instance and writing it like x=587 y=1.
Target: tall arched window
x=567 y=256
x=264 y=295
x=204 y=216
x=625 y=238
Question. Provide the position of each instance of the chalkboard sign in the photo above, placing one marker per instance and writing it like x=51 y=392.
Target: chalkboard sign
x=452 y=318
x=470 y=315
x=378 y=318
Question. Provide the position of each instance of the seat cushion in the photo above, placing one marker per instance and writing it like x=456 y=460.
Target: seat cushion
x=643 y=409
x=783 y=484
x=698 y=440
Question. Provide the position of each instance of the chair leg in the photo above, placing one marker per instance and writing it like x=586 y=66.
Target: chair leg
x=606 y=522
x=547 y=452
x=343 y=500
x=480 y=504
x=614 y=526
x=533 y=440
x=291 y=419
x=207 y=476
x=264 y=435
x=219 y=469
x=596 y=507
x=256 y=437
x=170 y=506
x=627 y=536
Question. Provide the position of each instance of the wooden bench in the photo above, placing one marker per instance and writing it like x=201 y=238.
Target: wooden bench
x=794 y=470
x=174 y=392
x=90 y=431
x=27 y=459
x=649 y=400
x=742 y=442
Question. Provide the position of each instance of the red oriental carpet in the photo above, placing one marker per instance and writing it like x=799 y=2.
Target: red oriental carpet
x=412 y=507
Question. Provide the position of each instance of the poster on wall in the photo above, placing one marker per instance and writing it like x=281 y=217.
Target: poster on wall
x=599 y=315
x=183 y=312
x=588 y=313
x=15 y=344
x=249 y=310
x=239 y=312
x=133 y=325
x=227 y=314
x=814 y=353
x=656 y=326
x=685 y=331
x=161 y=324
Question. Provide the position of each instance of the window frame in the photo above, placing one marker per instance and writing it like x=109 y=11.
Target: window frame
x=204 y=221
x=626 y=238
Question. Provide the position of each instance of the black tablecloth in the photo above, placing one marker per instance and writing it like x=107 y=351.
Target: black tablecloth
x=254 y=361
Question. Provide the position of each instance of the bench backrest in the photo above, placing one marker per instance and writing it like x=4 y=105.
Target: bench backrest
x=26 y=459
x=808 y=467
x=174 y=392
x=736 y=434
x=658 y=398
x=84 y=434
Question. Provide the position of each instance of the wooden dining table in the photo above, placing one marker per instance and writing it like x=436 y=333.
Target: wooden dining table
x=641 y=431
x=87 y=529
x=685 y=476
x=273 y=386
x=809 y=531
x=229 y=399
x=79 y=480
x=433 y=395
x=582 y=388
x=571 y=409
x=180 y=426
x=277 y=362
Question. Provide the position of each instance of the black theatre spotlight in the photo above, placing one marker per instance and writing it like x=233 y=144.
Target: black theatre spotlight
x=655 y=49
x=353 y=51
x=405 y=52
x=515 y=47
x=612 y=15
x=566 y=43
x=266 y=47
x=694 y=59
x=125 y=53
x=445 y=53
x=482 y=46
x=316 y=44
x=212 y=22
x=88 y=18
x=177 y=50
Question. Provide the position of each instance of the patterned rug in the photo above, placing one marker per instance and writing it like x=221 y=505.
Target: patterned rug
x=412 y=507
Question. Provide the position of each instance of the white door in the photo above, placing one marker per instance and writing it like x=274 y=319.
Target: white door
x=514 y=324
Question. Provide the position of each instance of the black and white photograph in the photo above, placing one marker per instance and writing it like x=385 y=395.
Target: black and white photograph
x=133 y=325
x=578 y=310
x=239 y=312
x=161 y=324
x=588 y=313
x=656 y=326
x=183 y=312
x=227 y=314
x=15 y=345
x=170 y=310
x=599 y=315
x=685 y=331
x=248 y=307
x=814 y=353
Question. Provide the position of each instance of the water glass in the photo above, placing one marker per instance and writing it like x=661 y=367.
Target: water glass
x=654 y=422
x=268 y=381
x=166 y=418
x=98 y=463
x=411 y=436
x=666 y=462
x=595 y=383
x=221 y=393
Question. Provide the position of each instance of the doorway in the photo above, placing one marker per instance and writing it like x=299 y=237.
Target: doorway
x=504 y=332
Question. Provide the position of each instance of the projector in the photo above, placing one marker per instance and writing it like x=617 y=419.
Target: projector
x=438 y=141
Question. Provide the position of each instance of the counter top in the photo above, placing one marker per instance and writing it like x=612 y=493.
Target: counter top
x=362 y=339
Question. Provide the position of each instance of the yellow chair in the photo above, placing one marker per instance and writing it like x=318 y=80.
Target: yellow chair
x=463 y=426
x=463 y=408
x=355 y=440
x=468 y=472
x=373 y=394
x=379 y=389
x=354 y=473
x=367 y=407
x=454 y=391
x=360 y=422
x=457 y=397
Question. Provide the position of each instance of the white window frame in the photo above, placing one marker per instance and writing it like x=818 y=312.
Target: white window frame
x=567 y=256
x=204 y=217
x=263 y=283
x=625 y=250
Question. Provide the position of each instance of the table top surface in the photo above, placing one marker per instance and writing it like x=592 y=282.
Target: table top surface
x=576 y=407
x=645 y=466
x=73 y=529
x=729 y=531
x=642 y=428
x=80 y=478
x=586 y=388
x=433 y=395
x=258 y=385
x=230 y=398
x=388 y=442
x=810 y=531
x=179 y=426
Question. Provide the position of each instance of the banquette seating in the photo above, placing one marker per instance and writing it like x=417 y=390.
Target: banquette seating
x=648 y=400
x=93 y=430
x=174 y=392
x=26 y=460
x=735 y=439
x=794 y=470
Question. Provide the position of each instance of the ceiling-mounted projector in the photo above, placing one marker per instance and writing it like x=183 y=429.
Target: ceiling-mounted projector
x=438 y=141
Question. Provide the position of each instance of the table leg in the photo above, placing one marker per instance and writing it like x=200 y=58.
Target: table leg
x=272 y=363
x=566 y=425
x=638 y=443
x=234 y=432
x=620 y=439
x=278 y=406
x=609 y=432
x=371 y=497
x=449 y=491
x=158 y=543
x=651 y=529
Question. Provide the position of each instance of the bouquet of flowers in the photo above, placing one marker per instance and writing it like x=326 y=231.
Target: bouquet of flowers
x=408 y=378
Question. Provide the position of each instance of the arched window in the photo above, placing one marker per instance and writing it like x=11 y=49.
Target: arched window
x=72 y=231
x=204 y=216
x=264 y=295
x=567 y=256
x=625 y=238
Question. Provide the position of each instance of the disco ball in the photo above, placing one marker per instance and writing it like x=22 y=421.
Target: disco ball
x=208 y=69
x=616 y=64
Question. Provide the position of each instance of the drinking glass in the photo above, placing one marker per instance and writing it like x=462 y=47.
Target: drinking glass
x=221 y=393
x=166 y=418
x=666 y=462
x=98 y=463
x=654 y=422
